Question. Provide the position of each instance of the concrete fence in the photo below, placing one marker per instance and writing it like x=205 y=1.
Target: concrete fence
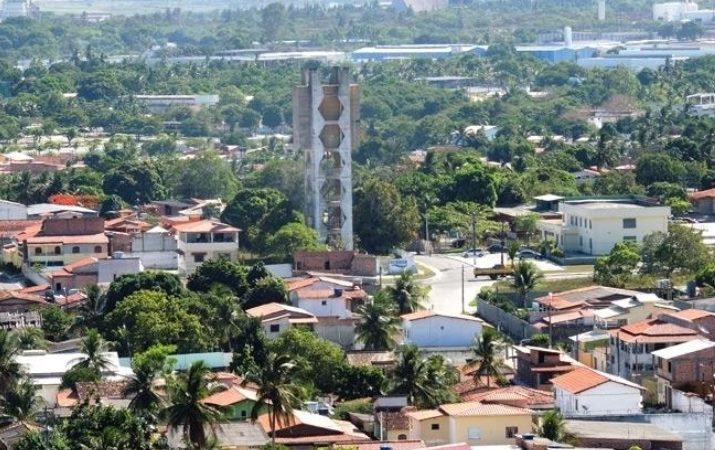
x=505 y=322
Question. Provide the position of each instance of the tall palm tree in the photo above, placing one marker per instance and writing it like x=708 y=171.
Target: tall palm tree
x=141 y=388
x=20 y=402
x=277 y=392
x=424 y=381
x=512 y=249
x=10 y=370
x=487 y=356
x=525 y=277
x=187 y=411
x=378 y=324
x=407 y=293
x=95 y=347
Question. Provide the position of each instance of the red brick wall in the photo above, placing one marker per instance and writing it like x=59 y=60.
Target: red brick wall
x=73 y=227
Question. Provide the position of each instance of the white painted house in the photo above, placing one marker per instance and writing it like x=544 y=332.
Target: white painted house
x=433 y=329
x=587 y=392
x=594 y=226
x=276 y=318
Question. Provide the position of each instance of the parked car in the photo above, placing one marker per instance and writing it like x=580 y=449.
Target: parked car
x=527 y=253
x=496 y=248
x=473 y=252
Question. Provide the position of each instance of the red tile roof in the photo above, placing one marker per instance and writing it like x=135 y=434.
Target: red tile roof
x=708 y=193
x=691 y=314
x=99 y=238
x=583 y=379
x=301 y=283
x=654 y=331
x=482 y=409
x=530 y=396
x=204 y=226
x=230 y=396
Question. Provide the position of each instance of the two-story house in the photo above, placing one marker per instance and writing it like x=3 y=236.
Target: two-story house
x=62 y=241
x=696 y=319
x=630 y=347
x=202 y=240
x=688 y=366
x=536 y=366
x=276 y=318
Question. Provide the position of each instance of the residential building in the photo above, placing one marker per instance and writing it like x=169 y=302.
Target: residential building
x=562 y=325
x=591 y=348
x=304 y=429
x=698 y=320
x=47 y=210
x=45 y=370
x=202 y=240
x=16 y=320
x=587 y=392
x=12 y=211
x=156 y=248
x=391 y=425
x=193 y=207
x=687 y=366
x=15 y=302
x=628 y=310
x=229 y=435
x=536 y=366
x=630 y=347
x=160 y=103
x=672 y=11
x=63 y=241
x=516 y=395
x=590 y=297
x=621 y=435
x=19 y=8
x=427 y=328
x=474 y=423
x=236 y=401
x=326 y=127
x=276 y=318
x=593 y=226
x=703 y=201
x=419 y=5
x=92 y=271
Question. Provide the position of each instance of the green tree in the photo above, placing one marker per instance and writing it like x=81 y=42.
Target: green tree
x=272 y=20
x=20 y=402
x=91 y=310
x=378 y=324
x=292 y=238
x=126 y=285
x=30 y=338
x=488 y=360
x=10 y=369
x=407 y=294
x=147 y=367
x=681 y=248
x=474 y=183
x=383 y=219
x=136 y=182
x=424 y=381
x=277 y=392
x=268 y=289
x=207 y=176
x=525 y=277
x=95 y=350
x=654 y=167
x=162 y=145
x=552 y=426
x=219 y=271
x=56 y=323
x=196 y=419
x=616 y=268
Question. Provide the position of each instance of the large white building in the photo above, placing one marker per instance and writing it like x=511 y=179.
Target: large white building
x=431 y=329
x=672 y=11
x=587 y=392
x=594 y=226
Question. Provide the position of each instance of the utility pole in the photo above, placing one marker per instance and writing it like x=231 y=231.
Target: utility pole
x=502 y=242
x=427 y=240
x=463 y=307
x=474 y=238
x=551 y=330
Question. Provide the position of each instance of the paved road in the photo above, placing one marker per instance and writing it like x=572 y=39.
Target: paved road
x=446 y=286
x=446 y=293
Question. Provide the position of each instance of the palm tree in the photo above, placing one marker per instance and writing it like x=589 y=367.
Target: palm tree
x=487 y=356
x=378 y=324
x=277 y=391
x=95 y=347
x=512 y=249
x=424 y=381
x=552 y=426
x=30 y=338
x=10 y=369
x=92 y=310
x=20 y=402
x=407 y=294
x=145 y=398
x=187 y=411
x=525 y=277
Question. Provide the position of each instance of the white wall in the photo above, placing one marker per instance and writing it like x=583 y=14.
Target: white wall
x=341 y=333
x=326 y=307
x=109 y=269
x=12 y=211
x=606 y=399
x=283 y=324
x=441 y=331
x=168 y=260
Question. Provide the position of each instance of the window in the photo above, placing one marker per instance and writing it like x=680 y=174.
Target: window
x=510 y=432
x=275 y=328
x=38 y=251
x=435 y=426
x=580 y=240
x=629 y=238
x=199 y=257
x=97 y=249
x=243 y=413
x=590 y=244
x=473 y=433
x=75 y=249
x=590 y=224
x=402 y=437
x=629 y=223
x=58 y=250
x=670 y=367
x=324 y=302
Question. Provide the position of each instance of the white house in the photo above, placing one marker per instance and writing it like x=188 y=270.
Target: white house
x=202 y=240
x=156 y=248
x=433 y=329
x=593 y=227
x=45 y=370
x=587 y=392
x=276 y=318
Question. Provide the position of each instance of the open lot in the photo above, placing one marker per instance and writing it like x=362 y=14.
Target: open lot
x=491 y=259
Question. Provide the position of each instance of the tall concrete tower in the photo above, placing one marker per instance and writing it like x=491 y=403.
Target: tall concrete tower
x=326 y=120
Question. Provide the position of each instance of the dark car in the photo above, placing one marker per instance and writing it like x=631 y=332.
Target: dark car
x=496 y=248
x=527 y=253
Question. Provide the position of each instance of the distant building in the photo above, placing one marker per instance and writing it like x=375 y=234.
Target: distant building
x=536 y=366
x=594 y=226
x=689 y=365
x=18 y=8
x=672 y=11
x=276 y=318
x=431 y=329
x=59 y=242
x=415 y=51
x=557 y=53
x=419 y=5
x=202 y=240
x=160 y=103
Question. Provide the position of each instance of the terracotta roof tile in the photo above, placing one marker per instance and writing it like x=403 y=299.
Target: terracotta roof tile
x=424 y=414
x=99 y=238
x=482 y=409
x=691 y=314
x=708 y=193
x=301 y=283
x=579 y=380
x=204 y=226
x=231 y=396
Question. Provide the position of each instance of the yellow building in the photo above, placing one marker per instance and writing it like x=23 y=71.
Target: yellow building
x=475 y=423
